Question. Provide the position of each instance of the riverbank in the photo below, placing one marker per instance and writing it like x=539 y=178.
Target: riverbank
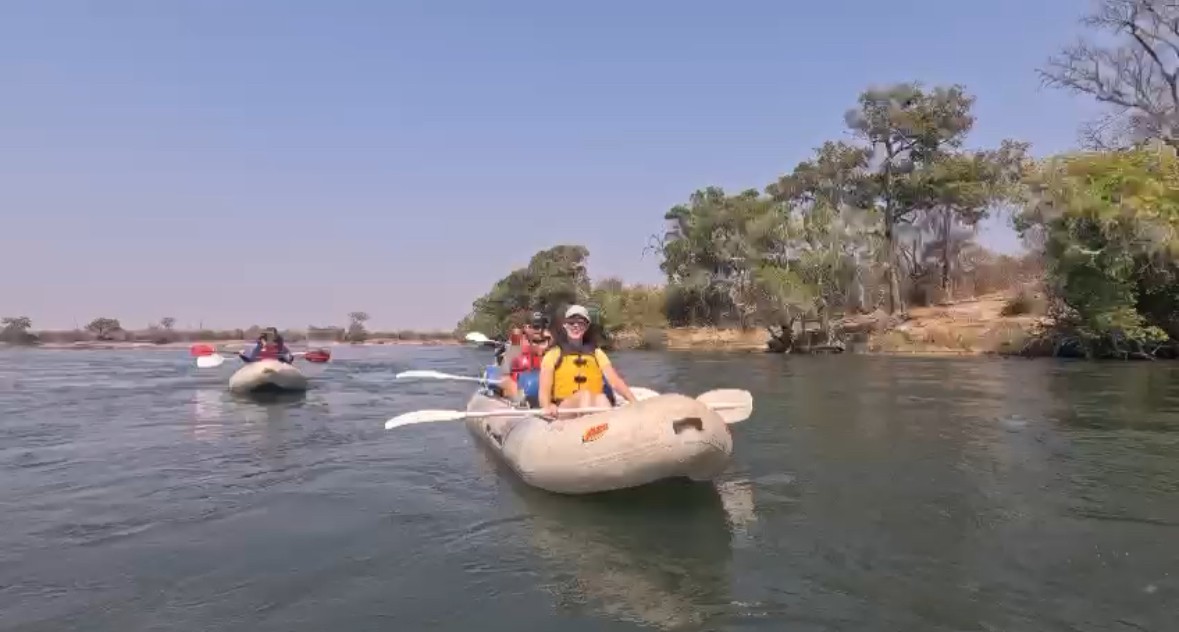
x=978 y=326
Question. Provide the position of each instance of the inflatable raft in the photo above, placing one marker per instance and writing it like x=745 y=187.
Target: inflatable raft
x=267 y=376
x=664 y=437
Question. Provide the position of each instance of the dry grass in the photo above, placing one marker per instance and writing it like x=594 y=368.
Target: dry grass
x=712 y=338
x=971 y=327
x=976 y=326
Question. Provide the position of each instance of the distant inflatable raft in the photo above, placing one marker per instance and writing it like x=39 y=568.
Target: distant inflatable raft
x=664 y=437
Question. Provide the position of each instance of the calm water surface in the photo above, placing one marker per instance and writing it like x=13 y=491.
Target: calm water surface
x=864 y=494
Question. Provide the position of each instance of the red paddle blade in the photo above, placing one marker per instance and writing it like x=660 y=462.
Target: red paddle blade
x=202 y=350
x=317 y=355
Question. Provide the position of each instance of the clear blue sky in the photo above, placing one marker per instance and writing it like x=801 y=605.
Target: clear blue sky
x=288 y=161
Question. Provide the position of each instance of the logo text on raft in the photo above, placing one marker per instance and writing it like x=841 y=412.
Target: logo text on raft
x=593 y=434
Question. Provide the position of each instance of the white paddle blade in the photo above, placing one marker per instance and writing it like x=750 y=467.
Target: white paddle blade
x=210 y=361
x=419 y=374
x=641 y=393
x=732 y=404
x=434 y=375
x=477 y=338
x=424 y=417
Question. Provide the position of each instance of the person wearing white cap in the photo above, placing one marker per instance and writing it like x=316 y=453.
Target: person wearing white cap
x=575 y=372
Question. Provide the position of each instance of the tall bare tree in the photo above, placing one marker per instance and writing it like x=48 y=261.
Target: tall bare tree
x=1137 y=73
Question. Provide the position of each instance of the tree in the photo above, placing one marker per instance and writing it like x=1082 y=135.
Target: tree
x=1108 y=224
x=163 y=333
x=15 y=330
x=708 y=256
x=356 y=329
x=1137 y=74
x=906 y=128
x=954 y=191
x=103 y=328
x=553 y=278
x=832 y=239
x=623 y=308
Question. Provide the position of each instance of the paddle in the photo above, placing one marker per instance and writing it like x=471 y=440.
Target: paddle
x=739 y=408
x=639 y=392
x=208 y=357
x=477 y=338
x=435 y=375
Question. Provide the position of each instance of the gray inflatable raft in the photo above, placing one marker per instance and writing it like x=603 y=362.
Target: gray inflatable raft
x=664 y=437
x=267 y=375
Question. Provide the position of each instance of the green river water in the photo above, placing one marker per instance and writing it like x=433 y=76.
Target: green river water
x=865 y=493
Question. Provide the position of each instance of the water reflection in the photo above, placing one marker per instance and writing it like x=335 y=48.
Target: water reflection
x=216 y=412
x=658 y=555
x=208 y=413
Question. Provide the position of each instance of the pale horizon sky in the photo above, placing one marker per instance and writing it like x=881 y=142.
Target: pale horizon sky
x=288 y=162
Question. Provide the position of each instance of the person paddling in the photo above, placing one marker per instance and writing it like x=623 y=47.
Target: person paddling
x=523 y=380
x=270 y=346
x=575 y=372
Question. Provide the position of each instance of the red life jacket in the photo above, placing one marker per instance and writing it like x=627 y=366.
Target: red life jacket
x=528 y=360
x=269 y=351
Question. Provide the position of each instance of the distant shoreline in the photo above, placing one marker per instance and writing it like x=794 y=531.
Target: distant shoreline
x=968 y=328
x=95 y=345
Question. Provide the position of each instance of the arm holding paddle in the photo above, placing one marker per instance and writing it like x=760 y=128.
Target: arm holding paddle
x=208 y=357
x=616 y=382
x=249 y=356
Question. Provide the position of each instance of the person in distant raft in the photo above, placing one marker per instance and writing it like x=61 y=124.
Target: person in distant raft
x=575 y=373
x=270 y=346
x=523 y=381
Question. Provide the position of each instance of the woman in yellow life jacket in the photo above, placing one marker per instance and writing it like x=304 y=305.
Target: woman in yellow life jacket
x=574 y=371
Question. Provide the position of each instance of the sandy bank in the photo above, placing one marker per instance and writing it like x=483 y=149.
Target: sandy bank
x=968 y=327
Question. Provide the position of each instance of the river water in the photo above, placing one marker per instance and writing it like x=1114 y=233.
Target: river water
x=865 y=493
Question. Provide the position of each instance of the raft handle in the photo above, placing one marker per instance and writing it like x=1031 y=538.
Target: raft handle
x=679 y=425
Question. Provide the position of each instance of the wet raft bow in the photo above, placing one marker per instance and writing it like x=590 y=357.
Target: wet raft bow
x=267 y=375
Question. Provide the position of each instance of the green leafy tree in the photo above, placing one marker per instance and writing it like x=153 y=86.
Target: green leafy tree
x=830 y=237
x=554 y=278
x=709 y=257
x=628 y=308
x=953 y=192
x=906 y=128
x=1108 y=225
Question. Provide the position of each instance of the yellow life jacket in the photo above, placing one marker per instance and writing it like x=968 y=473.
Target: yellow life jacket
x=574 y=371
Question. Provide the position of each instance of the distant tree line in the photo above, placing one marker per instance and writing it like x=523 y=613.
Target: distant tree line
x=19 y=330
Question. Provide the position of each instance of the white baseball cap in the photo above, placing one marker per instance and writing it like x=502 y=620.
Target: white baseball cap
x=577 y=310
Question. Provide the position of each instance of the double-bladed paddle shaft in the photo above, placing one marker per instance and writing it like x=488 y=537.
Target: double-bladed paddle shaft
x=208 y=357
x=639 y=392
x=733 y=405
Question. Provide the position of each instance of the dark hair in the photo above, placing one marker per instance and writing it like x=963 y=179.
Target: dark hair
x=591 y=339
x=272 y=334
x=538 y=320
